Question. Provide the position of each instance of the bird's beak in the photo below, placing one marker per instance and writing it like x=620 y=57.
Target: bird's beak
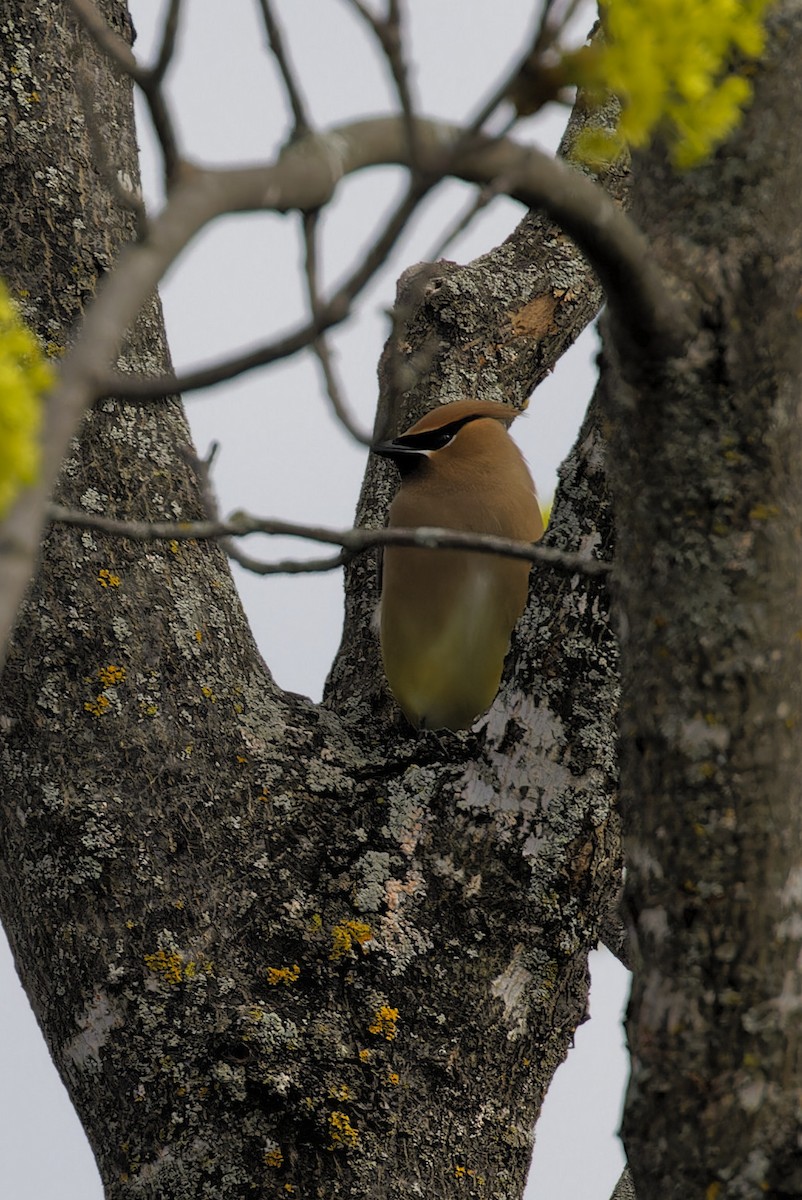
x=396 y=451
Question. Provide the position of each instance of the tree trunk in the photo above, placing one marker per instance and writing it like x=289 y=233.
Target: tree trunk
x=708 y=495
x=277 y=948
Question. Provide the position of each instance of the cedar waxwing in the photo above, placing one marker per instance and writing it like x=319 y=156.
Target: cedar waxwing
x=447 y=615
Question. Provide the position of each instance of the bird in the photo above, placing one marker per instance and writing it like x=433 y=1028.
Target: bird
x=446 y=616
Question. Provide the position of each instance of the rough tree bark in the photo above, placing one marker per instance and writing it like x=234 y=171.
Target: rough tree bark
x=708 y=499
x=278 y=948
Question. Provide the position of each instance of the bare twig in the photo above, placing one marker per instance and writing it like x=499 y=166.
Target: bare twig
x=330 y=313
x=546 y=34
x=485 y=196
x=155 y=387
x=352 y=541
x=319 y=344
x=388 y=32
x=202 y=468
x=149 y=80
x=110 y=42
x=393 y=43
x=531 y=67
x=364 y=12
x=341 y=410
x=167 y=44
x=164 y=129
x=554 y=19
x=287 y=566
x=612 y=242
x=291 y=87
x=305 y=177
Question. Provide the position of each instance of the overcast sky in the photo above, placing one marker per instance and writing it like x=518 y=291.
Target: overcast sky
x=283 y=455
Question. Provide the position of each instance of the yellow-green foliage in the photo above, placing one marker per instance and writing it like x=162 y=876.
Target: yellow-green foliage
x=670 y=62
x=24 y=375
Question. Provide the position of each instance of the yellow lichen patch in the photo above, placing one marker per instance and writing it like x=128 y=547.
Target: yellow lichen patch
x=169 y=966
x=364 y=1056
x=198 y=635
x=208 y=693
x=393 y=1078
x=343 y=1135
x=274 y=1158
x=111 y=675
x=340 y=1091
x=107 y=578
x=285 y=975
x=384 y=1022
x=98 y=706
x=345 y=935
x=764 y=512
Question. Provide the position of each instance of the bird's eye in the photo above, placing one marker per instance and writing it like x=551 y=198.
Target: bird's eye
x=439 y=438
x=432 y=439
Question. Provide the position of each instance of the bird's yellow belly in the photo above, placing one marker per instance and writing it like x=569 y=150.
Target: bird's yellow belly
x=455 y=669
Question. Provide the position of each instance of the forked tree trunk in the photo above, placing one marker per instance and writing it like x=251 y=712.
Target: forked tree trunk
x=281 y=946
x=281 y=949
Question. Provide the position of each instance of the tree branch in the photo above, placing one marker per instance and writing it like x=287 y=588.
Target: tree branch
x=158 y=71
x=625 y=1188
x=148 y=79
x=352 y=541
x=388 y=33
x=610 y=239
x=291 y=86
x=113 y=46
x=331 y=313
x=305 y=177
x=531 y=65
x=319 y=344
